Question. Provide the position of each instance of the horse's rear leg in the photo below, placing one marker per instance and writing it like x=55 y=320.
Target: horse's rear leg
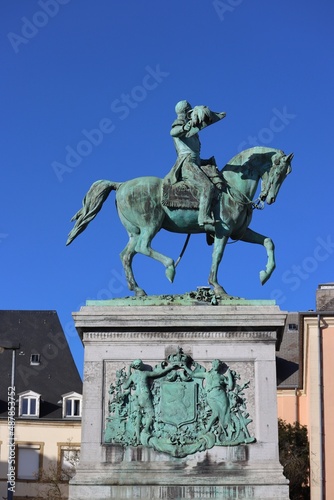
x=126 y=257
x=144 y=247
x=251 y=236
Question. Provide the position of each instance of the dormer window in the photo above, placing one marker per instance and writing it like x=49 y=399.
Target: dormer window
x=35 y=359
x=72 y=405
x=29 y=404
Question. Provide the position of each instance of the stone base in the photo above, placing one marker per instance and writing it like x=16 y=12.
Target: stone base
x=165 y=482
x=244 y=337
x=199 y=492
x=255 y=492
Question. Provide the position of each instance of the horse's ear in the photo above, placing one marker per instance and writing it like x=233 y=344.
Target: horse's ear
x=288 y=160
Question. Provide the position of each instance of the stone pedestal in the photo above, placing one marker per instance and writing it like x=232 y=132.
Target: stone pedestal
x=243 y=337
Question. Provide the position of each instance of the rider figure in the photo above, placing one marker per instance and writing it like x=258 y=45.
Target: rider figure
x=189 y=162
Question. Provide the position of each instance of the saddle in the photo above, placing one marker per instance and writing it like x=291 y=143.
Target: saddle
x=182 y=194
x=179 y=195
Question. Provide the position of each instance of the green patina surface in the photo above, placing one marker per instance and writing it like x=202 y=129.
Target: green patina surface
x=194 y=197
x=178 y=407
x=197 y=298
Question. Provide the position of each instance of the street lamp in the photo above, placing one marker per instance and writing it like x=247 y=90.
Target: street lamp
x=6 y=345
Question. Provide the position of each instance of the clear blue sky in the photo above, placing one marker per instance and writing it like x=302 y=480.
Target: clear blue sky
x=72 y=66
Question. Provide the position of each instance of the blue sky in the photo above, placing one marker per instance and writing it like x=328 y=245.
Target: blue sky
x=71 y=67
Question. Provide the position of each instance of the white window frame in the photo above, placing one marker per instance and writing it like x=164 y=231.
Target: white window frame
x=29 y=395
x=72 y=397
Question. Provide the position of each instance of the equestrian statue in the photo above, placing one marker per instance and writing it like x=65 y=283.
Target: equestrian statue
x=194 y=197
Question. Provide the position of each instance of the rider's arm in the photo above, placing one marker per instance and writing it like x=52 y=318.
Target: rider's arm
x=180 y=128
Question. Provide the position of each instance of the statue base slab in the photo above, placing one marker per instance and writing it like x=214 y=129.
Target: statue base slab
x=243 y=336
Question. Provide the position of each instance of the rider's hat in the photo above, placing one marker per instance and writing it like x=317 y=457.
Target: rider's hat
x=182 y=107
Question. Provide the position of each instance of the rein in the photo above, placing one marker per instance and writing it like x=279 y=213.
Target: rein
x=183 y=250
x=257 y=204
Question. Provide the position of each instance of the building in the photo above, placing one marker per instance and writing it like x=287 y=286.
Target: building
x=306 y=385
x=290 y=370
x=46 y=400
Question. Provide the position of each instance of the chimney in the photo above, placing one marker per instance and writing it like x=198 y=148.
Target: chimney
x=325 y=297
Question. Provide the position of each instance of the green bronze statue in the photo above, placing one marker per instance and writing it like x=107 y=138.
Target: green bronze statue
x=195 y=197
x=189 y=165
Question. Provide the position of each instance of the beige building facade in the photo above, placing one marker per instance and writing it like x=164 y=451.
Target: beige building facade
x=42 y=450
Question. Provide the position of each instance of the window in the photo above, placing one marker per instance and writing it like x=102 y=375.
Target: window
x=292 y=327
x=29 y=406
x=35 y=359
x=72 y=405
x=29 y=458
x=29 y=403
x=69 y=458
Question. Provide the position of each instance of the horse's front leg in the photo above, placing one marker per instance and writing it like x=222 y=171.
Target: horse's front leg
x=126 y=257
x=251 y=236
x=217 y=254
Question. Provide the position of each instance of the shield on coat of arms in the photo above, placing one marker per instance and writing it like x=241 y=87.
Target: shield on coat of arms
x=178 y=402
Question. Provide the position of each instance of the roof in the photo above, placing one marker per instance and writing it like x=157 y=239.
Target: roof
x=288 y=365
x=37 y=332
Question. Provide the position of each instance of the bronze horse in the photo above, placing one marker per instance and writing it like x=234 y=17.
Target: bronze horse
x=140 y=208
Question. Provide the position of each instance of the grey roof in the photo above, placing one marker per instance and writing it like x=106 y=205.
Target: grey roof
x=288 y=358
x=37 y=332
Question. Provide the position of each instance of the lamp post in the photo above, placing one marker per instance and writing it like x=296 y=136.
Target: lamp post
x=10 y=346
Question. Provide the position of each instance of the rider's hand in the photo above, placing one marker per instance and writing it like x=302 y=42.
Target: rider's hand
x=187 y=126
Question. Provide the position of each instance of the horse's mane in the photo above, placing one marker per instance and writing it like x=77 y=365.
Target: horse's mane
x=252 y=154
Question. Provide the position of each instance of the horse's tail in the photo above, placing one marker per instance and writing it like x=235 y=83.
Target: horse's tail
x=91 y=205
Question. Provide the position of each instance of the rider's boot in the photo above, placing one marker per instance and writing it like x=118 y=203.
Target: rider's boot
x=204 y=215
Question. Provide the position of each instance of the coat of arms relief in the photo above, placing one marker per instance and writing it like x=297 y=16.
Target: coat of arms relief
x=178 y=407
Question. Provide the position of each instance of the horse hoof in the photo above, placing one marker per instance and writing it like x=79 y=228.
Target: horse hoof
x=170 y=273
x=263 y=277
x=140 y=293
x=220 y=293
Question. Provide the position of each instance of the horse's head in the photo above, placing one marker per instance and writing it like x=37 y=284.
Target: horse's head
x=273 y=177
